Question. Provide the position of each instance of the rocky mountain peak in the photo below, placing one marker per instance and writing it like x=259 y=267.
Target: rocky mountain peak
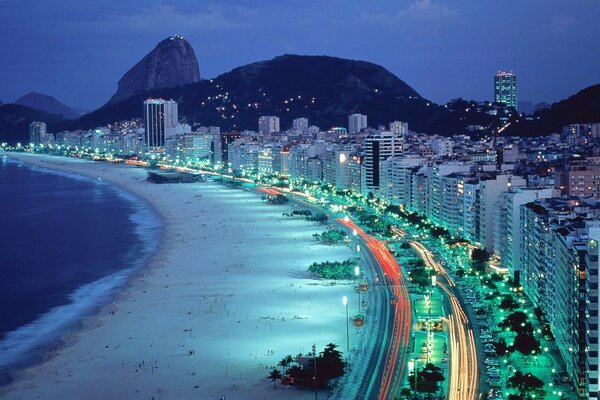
x=171 y=63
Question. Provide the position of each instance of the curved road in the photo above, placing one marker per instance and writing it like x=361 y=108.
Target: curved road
x=392 y=371
x=464 y=379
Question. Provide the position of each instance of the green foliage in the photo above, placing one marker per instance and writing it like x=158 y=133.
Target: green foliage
x=275 y=375
x=526 y=344
x=333 y=270
x=526 y=385
x=419 y=274
x=438 y=232
x=427 y=379
x=329 y=365
x=508 y=303
x=479 y=259
x=502 y=348
x=516 y=321
x=320 y=217
x=279 y=199
x=331 y=236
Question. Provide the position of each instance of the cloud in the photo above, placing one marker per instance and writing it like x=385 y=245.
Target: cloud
x=560 y=24
x=419 y=13
x=211 y=18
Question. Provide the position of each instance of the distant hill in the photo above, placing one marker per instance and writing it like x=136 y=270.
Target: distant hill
x=580 y=108
x=15 y=120
x=171 y=63
x=48 y=104
x=324 y=89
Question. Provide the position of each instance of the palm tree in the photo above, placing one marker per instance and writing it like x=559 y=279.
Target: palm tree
x=286 y=362
x=274 y=376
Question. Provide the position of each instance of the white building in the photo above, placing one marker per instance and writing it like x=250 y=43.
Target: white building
x=490 y=189
x=396 y=179
x=160 y=120
x=356 y=122
x=508 y=236
x=196 y=146
x=438 y=171
x=300 y=124
x=37 y=132
x=268 y=125
x=399 y=127
x=378 y=147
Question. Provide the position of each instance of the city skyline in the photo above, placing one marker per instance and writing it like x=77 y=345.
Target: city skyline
x=424 y=43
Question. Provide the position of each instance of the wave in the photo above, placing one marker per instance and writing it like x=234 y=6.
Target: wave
x=22 y=346
x=23 y=342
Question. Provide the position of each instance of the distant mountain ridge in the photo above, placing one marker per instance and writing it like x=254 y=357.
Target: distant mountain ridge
x=583 y=107
x=15 y=120
x=47 y=104
x=171 y=63
x=324 y=89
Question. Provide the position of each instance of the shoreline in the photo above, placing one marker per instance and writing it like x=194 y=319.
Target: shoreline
x=36 y=379
x=44 y=351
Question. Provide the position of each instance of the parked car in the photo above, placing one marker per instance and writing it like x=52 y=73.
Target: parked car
x=494 y=383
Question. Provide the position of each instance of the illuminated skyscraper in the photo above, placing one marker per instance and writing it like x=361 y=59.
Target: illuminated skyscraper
x=160 y=119
x=505 y=88
x=37 y=132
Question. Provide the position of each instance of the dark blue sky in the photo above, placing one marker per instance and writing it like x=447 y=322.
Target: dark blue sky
x=77 y=50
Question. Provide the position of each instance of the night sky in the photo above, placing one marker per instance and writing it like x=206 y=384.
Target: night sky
x=77 y=50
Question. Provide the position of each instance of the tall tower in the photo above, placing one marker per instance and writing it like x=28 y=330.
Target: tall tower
x=37 y=132
x=505 y=88
x=160 y=119
x=356 y=122
x=378 y=148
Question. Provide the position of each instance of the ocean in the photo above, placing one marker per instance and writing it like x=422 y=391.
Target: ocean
x=67 y=245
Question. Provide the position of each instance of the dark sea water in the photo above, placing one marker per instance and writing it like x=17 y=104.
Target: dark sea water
x=67 y=244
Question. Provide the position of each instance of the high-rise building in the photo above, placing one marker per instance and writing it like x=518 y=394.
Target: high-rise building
x=268 y=125
x=37 y=132
x=356 y=122
x=399 y=127
x=160 y=119
x=300 y=124
x=378 y=148
x=505 y=88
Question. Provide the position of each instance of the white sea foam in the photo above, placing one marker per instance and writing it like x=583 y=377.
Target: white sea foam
x=20 y=342
x=23 y=342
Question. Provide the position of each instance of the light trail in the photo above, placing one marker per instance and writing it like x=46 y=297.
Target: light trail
x=401 y=310
x=463 y=382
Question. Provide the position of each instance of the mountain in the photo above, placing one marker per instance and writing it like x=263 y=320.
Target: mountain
x=526 y=107
x=48 y=104
x=324 y=89
x=580 y=108
x=15 y=120
x=171 y=63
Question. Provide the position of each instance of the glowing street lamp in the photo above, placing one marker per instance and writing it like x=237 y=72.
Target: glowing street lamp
x=357 y=275
x=345 y=302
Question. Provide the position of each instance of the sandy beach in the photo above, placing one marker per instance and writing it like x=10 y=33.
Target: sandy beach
x=225 y=297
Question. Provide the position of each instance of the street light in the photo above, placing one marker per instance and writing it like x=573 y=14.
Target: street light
x=415 y=369
x=345 y=302
x=357 y=275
